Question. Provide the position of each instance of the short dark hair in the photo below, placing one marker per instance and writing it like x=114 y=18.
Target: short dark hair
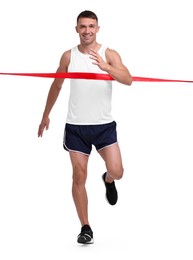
x=87 y=14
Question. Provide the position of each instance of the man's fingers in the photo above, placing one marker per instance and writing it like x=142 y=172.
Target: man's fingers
x=41 y=130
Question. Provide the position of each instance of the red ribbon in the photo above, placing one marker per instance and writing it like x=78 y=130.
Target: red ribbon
x=85 y=75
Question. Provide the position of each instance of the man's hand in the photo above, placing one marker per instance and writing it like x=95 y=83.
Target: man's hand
x=44 y=125
x=98 y=60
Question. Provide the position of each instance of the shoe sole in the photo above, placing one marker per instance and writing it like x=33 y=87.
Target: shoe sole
x=84 y=243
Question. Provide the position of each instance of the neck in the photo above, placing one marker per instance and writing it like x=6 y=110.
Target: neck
x=86 y=48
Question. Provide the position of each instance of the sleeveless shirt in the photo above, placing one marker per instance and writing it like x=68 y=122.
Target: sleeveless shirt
x=89 y=100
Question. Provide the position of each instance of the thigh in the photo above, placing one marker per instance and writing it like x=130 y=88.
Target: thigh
x=79 y=165
x=113 y=160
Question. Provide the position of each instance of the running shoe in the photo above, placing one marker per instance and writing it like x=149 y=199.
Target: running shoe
x=111 y=191
x=86 y=235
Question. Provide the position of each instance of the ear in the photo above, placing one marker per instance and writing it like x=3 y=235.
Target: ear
x=98 y=29
x=76 y=28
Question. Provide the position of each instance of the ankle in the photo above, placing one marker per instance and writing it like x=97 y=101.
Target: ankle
x=86 y=227
x=108 y=178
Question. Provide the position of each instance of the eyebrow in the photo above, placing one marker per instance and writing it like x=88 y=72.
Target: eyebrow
x=89 y=25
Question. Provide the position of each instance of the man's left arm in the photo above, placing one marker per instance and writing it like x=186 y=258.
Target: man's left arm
x=114 y=66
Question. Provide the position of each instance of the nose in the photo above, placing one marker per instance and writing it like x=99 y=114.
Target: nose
x=87 y=30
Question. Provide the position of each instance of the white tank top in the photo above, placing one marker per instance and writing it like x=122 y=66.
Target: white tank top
x=89 y=100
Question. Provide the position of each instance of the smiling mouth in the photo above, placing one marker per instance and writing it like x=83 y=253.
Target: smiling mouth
x=87 y=37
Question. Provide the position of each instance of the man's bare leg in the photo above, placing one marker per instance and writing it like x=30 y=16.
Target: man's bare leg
x=113 y=161
x=79 y=166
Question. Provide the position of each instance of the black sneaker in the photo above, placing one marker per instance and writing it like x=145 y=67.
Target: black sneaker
x=111 y=191
x=86 y=235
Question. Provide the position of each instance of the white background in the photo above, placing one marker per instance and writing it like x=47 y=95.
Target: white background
x=153 y=217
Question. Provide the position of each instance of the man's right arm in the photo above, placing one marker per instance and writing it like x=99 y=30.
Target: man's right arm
x=53 y=93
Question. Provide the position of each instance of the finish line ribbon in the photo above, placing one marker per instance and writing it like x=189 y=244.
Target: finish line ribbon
x=85 y=75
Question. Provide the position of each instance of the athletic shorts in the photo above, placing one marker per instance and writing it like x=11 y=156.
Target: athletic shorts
x=80 y=138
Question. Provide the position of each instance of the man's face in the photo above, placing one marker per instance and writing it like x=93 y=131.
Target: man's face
x=87 y=29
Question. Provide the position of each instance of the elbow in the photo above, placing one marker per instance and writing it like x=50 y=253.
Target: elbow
x=129 y=81
x=126 y=80
x=57 y=84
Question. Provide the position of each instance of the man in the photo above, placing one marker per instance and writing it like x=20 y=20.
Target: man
x=89 y=121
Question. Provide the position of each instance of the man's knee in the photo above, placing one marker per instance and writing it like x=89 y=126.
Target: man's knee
x=120 y=174
x=116 y=173
x=79 y=176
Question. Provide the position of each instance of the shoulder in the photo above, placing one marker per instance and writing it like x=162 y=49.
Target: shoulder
x=66 y=57
x=65 y=60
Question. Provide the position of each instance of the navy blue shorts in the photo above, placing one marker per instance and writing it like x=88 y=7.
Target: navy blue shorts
x=80 y=138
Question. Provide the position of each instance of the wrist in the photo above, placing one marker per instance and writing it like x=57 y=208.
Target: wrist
x=45 y=115
x=107 y=68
